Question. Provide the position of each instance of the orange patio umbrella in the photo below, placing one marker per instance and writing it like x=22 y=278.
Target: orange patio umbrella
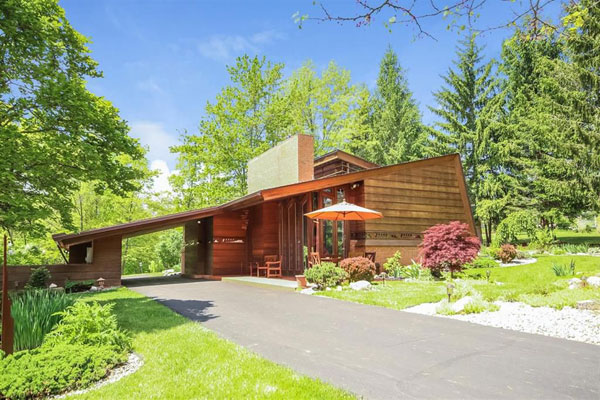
x=344 y=212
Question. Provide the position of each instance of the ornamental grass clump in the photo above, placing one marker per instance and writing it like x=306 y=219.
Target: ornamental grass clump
x=358 y=269
x=35 y=313
x=447 y=247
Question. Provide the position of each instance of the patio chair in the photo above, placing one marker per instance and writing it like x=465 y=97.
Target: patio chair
x=264 y=267
x=313 y=259
x=273 y=268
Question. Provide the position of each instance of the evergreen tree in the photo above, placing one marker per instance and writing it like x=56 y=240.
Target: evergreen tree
x=467 y=111
x=396 y=133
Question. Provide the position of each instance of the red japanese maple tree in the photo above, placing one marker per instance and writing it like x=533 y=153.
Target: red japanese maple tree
x=448 y=247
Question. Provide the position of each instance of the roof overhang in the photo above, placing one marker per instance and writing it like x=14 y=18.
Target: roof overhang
x=150 y=225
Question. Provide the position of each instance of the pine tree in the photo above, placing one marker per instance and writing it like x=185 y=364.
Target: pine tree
x=396 y=133
x=467 y=109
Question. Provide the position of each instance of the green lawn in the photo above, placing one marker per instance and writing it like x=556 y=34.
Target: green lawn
x=534 y=284
x=569 y=236
x=183 y=360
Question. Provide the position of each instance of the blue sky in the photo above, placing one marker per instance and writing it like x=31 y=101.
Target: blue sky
x=163 y=60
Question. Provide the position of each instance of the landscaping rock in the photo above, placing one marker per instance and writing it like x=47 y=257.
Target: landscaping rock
x=307 y=291
x=593 y=305
x=459 y=305
x=575 y=283
x=52 y=286
x=168 y=272
x=360 y=285
x=94 y=289
x=593 y=281
x=339 y=288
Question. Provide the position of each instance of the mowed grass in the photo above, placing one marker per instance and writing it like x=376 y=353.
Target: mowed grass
x=183 y=360
x=534 y=284
x=395 y=294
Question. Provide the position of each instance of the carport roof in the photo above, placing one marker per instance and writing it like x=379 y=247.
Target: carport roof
x=155 y=224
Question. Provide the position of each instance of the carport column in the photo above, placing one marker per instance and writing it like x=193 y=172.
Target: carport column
x=197 y=237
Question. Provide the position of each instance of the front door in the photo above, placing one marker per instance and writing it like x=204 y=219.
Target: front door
x=291 y=234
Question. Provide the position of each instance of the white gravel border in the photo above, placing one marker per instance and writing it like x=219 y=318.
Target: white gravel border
x=134 y=362
x=568 y=323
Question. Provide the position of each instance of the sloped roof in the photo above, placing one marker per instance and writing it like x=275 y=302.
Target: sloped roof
x=149 y=225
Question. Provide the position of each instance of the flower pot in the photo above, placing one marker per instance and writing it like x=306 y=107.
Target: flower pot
x=301 y=279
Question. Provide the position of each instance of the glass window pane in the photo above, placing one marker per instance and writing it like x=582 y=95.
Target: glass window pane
x=340 y=238
x=340 y=195
x=328 y=237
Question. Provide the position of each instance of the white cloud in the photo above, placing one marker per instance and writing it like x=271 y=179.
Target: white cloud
x=161 y=180
x=226 y=47
x=153 y=136
x=150 y=85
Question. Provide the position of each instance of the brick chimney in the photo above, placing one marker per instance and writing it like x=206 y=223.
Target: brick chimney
x=290 y=161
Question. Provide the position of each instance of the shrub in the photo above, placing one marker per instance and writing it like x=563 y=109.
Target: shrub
x=481 y=262
x=515 y=223
x=448 y=247
x=89 y=324
x=325 y=275
x=35 y=314
x=560 y=269
x=54 y=369
x=393 y=265
x=479 y=305
x=412 y=271
x=542 y=240
x=358 y=268
x=79 y=286
x=38 y=278
x=507 y=253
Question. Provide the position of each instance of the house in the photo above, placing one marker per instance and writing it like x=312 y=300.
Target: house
x=284 y=183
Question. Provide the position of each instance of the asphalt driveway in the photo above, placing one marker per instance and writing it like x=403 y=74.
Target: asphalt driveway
x=386 y=354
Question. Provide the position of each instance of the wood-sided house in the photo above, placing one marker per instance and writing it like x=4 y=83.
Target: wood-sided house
x=284 y=183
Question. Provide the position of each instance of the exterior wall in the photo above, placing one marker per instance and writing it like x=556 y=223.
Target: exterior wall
x=263 y=231
x=291 y=161
x=411 y=202
x=229 y=243
x=106 y=264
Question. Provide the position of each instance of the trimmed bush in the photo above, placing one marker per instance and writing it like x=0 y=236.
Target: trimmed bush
x=358 y=268
x=35 y=314
x=54 y=369
x=325 y=275
x=448 y=247
x=38 y=278
x=507 y=253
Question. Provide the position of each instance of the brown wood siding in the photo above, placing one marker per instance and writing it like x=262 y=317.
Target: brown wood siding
x=411 y=201
x=229 y=244
x=106 y=264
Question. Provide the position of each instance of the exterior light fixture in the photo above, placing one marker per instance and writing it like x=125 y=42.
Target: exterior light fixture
x=449 y=290
x=100 y=282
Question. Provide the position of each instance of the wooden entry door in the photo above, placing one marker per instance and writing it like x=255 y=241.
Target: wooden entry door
x=291 y=234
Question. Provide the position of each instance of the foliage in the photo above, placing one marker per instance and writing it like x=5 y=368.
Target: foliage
x=514 y=224
x=479 y=305
x=542 y=240
x=35 y=314
x=563 y=269
x=394 y=132
x=393 y=265
x=169 y=248
x=448 y=247
x=90 y=324
x=39 y=278
x=178 y=352
x=325 y=275
x=507 y=253
x=78 y=286
x=54 y=132
x=464 y=107
x=54 y=369
x=358 y=268
x=481 y=262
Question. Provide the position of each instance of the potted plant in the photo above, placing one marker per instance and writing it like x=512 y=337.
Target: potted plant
x=301 y=279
